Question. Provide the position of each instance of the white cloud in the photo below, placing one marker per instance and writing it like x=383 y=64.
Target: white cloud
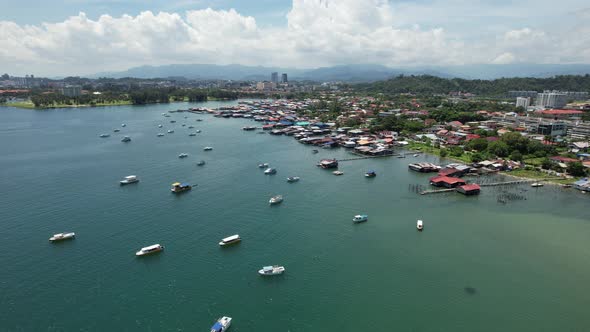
x=317 y=33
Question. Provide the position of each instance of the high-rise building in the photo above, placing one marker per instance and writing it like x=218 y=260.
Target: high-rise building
x=284 y=78
x=274 y=77
x=552 y=99
x=72 y=91
x=523 y=102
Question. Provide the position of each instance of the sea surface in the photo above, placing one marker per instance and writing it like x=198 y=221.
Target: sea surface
x=479 y=265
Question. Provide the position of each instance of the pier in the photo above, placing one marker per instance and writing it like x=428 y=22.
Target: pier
x=437 y=191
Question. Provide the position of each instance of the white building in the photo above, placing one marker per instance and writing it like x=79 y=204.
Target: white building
x=552 y=99
x=523 y=102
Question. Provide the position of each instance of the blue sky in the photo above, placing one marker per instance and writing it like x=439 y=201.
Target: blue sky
x=80 y=37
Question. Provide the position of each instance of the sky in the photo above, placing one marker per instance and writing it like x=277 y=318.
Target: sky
x=82 y=37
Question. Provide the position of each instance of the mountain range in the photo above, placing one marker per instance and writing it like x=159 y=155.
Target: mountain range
x=348 y=73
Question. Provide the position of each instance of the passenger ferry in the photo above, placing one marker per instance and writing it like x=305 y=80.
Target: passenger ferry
x=271 y=270
x=419 y=225
x=149 y=250
x=276 y=199
x=129 y=179
x=222 y=324
x=360 y=218
x=230 y=240
x=62 y=236
x=178 y=187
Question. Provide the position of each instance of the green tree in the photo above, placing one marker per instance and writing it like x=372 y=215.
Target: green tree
x=477 y=144
x=443 y=152
x=516 y=156
x=576 y=169
x=546 y=163
x=499 y=148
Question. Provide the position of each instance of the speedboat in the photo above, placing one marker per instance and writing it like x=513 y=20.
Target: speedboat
x=201 y=163
x=183 y=155
x=160 y=126
x=160 y=134
x=360 y=218
x=265 y=165
x=126 y=139
x=129 y=179
x=270 y=171
x=123 y=125
x=419 y=225
x=62 y=236
x=337 y=172
x=271 y=270
x=276 y=199
x=104 y=135
x=293 y=179
x=198 y=131
x=207 y=148
x=178 y=187
x=536 y=185
x=150 y=250
x=221 y=325
x=371 y=174
x=192 y=134
x=170 y=131
x=230 y=240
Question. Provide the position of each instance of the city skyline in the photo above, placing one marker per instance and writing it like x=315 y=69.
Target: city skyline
x=83 y=37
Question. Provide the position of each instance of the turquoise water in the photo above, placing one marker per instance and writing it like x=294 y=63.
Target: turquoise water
x=477 y=266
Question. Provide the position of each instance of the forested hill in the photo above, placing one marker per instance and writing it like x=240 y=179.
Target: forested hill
x=499 y=87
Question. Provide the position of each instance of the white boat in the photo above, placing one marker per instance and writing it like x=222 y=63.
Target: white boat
x=293 y=179
x=62 y=236
x=276 y=199
x=198 y=131
x=271 y=270
x=201 y=163
x=123 y=125
x=265 y=165
x=170 y=131
x=270 y=171
x=149 y=250
x=536 y=185
x=104 y=135
x=129 y=179
x=159 y=126
x=360 y=218
x=160 y=134
x=207 y=148
x=419 y=225
x=183 y=155
x=126 y=139
x=230 y=240
x=337 y=172
x=416 y=155
x=222 y=324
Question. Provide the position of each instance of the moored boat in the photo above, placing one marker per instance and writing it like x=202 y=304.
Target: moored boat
x=360 y=218
x=536 y=185
x=222 y=324
x=149 y=250
x=183 y=155
x=293 y=179
x=178 y=187
x=271 y=270
x=230 y=240
x=129 y=179
x=276 y=199
x=207 y=148
x=126 y=139
x=337 y=172
x=62 y=236
x=419 y=225
x=371 y=174
x=270 y=171
x=104 y=135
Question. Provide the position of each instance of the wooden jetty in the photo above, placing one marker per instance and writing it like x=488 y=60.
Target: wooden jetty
x=437 y=191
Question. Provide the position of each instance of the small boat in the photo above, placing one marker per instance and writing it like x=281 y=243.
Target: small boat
x=198 y=131
x=123 y=125
x=172 y=121
x=62 y=236
x=159 y=126
x=183 y=155
x=416 y=155
x=360 y=218
x=536 y=185
x=276 y=199
x=314 y=151
x=160 y=134
x=293 y=179
x=270 y=171
x=221 y=325
x=126 y=139
x=271 y=270
x=337 y=172
x=201 y=163
x=248 y=128
x=170 y=131
x=265 y=165
x=199 y=120
x=401 y=156
x=129 y=179
x=230 y=240
x=207 y=148
x=149 y=250
x=116 y=130
x=192 y=134
x=566 y=185
x=419 y=225
x=178 y=187
x=191 y=127
x=371 y=174
x=104 y=135
x=184 y=125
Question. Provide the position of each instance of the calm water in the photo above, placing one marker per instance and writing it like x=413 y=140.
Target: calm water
x=478 y=265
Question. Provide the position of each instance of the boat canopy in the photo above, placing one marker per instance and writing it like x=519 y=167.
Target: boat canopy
x=176 y=184
x=231 y=238
x=267 y=268
x=155 y=246
x=130 y=177
x=184 y=184
x=217 y=327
